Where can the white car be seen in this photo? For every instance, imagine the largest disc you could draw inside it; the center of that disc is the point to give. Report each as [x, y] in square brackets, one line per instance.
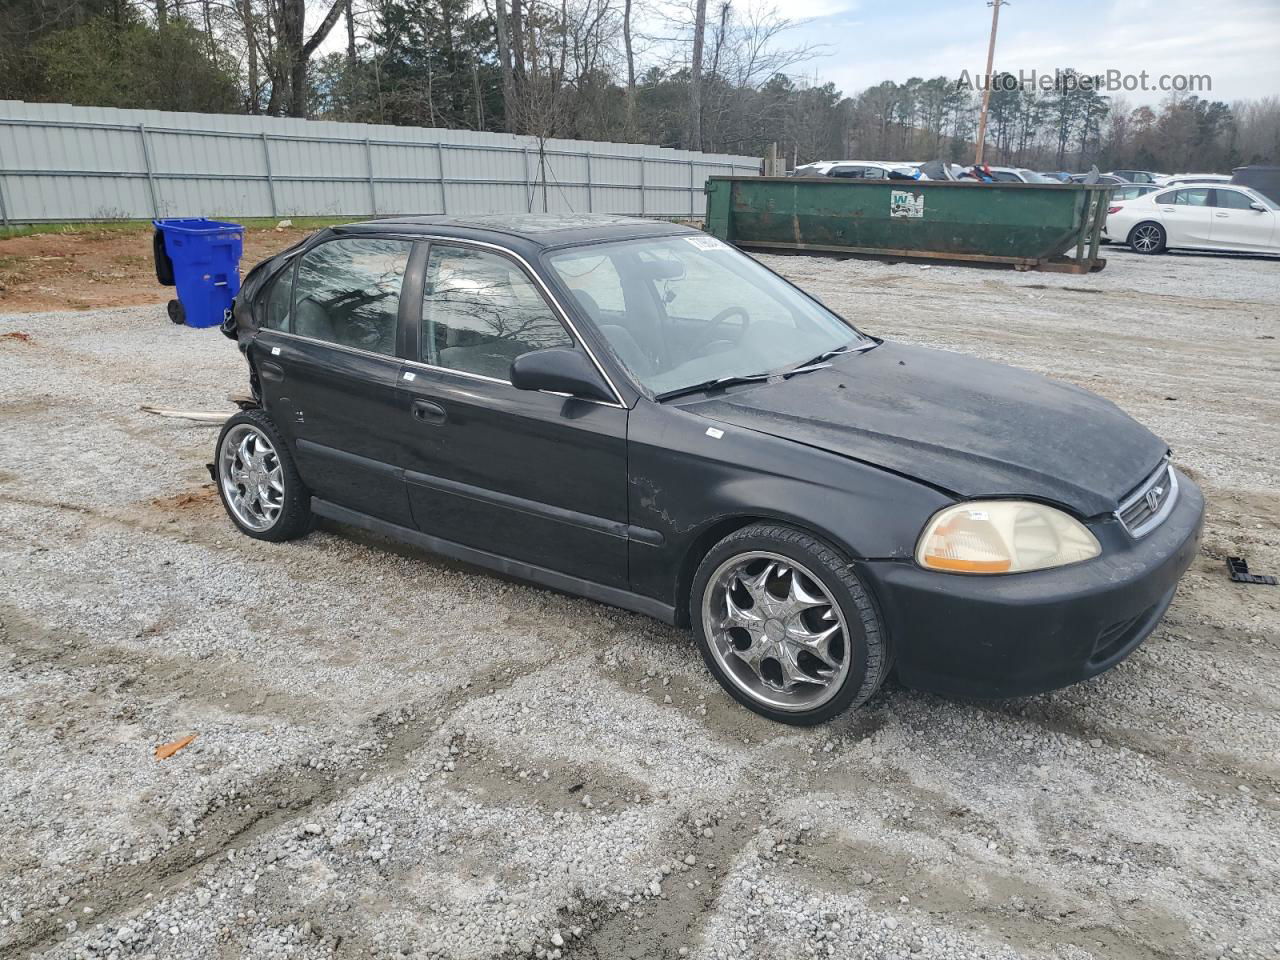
[854, 169]
[1222, 217]
[1182, 179]
[1018, 175]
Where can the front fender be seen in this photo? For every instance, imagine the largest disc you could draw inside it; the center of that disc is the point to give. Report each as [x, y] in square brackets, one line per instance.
[691, 487]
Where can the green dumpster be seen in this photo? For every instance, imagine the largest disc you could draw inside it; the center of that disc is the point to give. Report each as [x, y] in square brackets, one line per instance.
[1027, 225]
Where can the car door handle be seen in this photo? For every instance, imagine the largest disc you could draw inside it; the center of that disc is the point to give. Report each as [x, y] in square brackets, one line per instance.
[1222, 215]
[428, 411]
[271, 371]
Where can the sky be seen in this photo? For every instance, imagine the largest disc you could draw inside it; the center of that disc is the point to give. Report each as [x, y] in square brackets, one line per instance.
[1235, 42]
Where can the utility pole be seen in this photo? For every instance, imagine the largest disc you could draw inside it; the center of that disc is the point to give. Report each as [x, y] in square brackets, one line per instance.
[986, 90]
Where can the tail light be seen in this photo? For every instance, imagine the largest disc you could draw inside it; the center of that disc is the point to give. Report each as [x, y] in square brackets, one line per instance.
[1115, 208]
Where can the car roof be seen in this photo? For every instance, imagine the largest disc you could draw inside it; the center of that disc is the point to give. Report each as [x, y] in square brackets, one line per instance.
[528, 230]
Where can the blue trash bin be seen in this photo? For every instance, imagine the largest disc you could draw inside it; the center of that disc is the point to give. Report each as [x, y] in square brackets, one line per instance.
[203, 263]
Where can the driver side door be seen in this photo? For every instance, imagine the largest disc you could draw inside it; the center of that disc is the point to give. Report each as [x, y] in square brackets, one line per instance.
[1238, 226]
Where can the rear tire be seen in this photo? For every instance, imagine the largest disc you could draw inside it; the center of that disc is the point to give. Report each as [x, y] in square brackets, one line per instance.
[258, 481]
[1148, 237]
[785, 626]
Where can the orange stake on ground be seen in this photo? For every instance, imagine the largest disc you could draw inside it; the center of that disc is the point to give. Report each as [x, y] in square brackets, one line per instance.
[167, 750]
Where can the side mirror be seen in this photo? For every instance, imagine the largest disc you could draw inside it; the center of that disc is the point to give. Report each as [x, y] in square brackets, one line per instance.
[1261, 208]
[559, 370]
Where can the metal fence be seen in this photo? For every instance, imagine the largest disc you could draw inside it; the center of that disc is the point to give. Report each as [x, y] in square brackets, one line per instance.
[60, 162]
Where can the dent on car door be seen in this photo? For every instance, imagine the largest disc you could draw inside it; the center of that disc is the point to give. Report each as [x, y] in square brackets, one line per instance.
[535, 477]
[330, 369]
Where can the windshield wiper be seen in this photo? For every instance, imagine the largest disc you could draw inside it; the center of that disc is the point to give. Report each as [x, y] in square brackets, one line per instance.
[835, 352]
[711, 384]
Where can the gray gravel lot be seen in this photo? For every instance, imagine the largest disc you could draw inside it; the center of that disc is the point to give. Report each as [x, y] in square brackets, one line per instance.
[398, 755]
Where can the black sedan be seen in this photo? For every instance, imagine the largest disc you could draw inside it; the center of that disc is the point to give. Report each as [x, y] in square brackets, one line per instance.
[638, 413]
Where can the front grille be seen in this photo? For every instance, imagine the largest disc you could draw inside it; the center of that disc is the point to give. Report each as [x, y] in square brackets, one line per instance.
[1148, 505]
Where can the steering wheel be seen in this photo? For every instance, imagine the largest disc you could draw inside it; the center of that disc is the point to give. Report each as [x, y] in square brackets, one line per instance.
[719, 321]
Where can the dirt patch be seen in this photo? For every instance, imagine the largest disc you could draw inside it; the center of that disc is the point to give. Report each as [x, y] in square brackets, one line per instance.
[101, 268]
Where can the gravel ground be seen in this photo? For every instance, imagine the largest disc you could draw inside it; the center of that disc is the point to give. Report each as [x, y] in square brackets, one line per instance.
[398, 755]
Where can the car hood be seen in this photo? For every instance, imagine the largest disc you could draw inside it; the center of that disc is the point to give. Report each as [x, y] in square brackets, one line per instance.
[965, 425]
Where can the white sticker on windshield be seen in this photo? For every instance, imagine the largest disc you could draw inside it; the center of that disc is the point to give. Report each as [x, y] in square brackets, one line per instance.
[704, 242]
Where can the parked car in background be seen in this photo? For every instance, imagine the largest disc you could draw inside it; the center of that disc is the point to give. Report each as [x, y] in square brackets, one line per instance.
[1182, 179]
[1105, 178]
[1060, 175]
[1262, 177]
[1018, 175]
[1135, 176]
[1227, 218]
[856, 169]
[1131, 191]
[634, 411]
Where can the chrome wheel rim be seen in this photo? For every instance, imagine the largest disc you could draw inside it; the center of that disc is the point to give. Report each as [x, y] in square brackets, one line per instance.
[775, 631]
[251, 477]
[1146, 238]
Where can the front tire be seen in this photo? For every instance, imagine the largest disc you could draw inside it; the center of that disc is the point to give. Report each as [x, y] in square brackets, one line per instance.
[785, 626]
[1148, 237]
[258, 481]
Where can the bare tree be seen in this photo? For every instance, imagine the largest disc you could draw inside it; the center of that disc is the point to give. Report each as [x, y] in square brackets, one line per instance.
[695, 76]
[504, 59]
[631, 70]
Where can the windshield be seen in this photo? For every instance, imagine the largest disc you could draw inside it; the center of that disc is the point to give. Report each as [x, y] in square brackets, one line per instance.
[684, 310]
[1030, 176]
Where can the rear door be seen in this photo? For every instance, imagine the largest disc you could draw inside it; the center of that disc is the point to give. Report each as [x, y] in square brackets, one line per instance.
[1237, 226]
[329, 370]
[535, 477]
[1186, 215]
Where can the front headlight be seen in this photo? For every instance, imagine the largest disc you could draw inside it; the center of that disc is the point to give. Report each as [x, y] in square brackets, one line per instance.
[1003, 536]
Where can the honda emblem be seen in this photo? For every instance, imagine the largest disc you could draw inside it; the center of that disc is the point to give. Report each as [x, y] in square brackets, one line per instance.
[1153, 498]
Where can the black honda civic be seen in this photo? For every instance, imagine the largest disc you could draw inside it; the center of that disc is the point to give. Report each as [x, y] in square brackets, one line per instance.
[638, 413]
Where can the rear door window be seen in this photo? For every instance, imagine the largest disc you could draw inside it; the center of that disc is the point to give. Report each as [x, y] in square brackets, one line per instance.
[1198, 197]
[348, 293]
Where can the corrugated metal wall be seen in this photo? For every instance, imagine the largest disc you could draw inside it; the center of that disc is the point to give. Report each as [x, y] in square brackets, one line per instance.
[59, 162]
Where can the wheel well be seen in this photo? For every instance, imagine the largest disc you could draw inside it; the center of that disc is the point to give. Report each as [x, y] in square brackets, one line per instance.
[702, 545]
[1143, 223]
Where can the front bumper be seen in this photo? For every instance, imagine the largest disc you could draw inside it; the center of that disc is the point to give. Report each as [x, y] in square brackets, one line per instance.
[1005, 636]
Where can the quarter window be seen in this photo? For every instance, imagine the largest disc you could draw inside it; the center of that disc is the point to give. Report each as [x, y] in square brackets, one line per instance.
[480, 311]
[280, 301]
[348, 293]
